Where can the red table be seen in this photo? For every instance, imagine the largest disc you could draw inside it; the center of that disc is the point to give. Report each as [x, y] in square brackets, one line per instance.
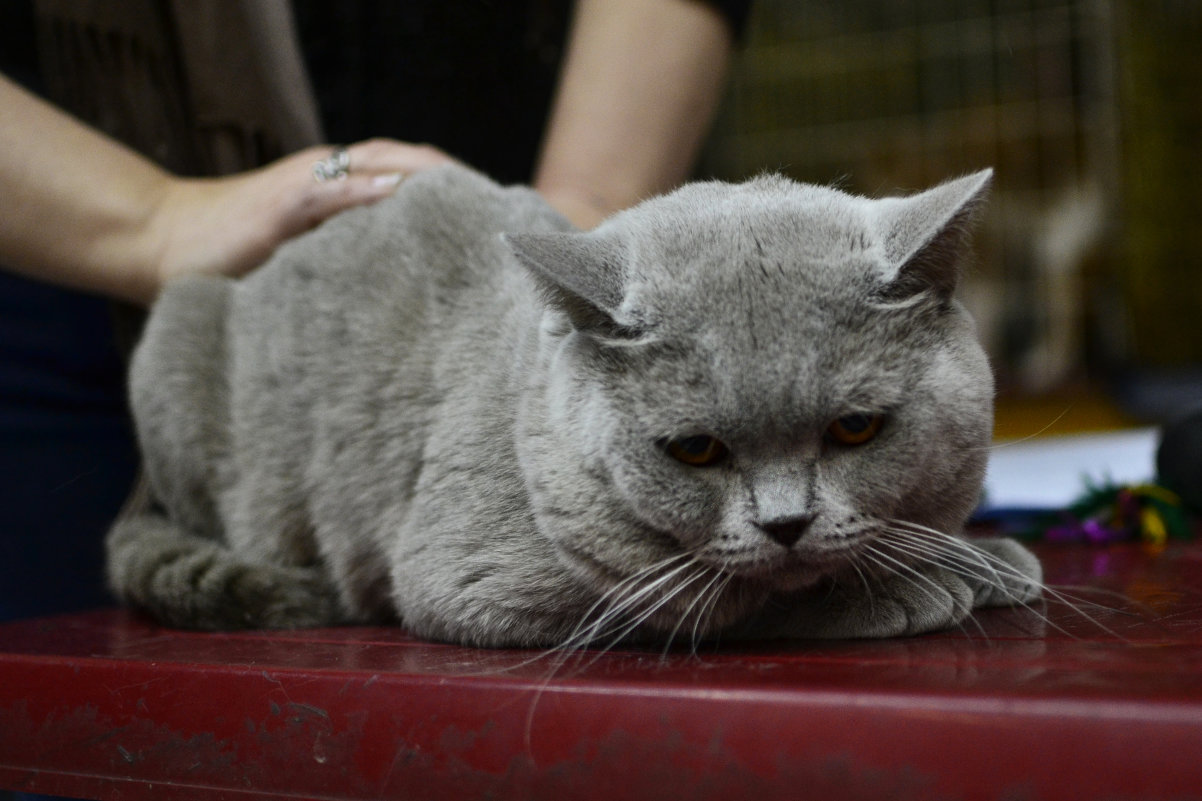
[106, 705]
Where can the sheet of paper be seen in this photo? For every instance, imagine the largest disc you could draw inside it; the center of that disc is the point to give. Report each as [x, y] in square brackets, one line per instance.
[1051, 472]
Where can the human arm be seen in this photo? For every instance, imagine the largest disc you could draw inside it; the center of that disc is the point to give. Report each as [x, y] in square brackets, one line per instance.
[83, 211]
[640, 84]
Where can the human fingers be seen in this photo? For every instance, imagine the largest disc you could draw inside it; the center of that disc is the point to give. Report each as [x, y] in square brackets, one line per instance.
[362, 173]
[372, 157]
[388, 156]
[230, 225]
[315, 202]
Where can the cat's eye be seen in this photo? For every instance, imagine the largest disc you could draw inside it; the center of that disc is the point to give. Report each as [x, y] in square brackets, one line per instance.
[855, 429]
[696, 451]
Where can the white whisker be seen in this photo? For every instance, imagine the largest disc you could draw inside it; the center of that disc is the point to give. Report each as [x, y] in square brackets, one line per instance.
[650, 611]
[589, 628]
[995, 446]
[705, 616]
[921, 582]
[855, 565]
[616, 601]
[960, 555]
[697, 599]
[911, 548]
[614, 604]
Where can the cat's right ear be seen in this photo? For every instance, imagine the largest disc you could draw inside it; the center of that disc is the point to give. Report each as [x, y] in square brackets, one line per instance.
[581, 274]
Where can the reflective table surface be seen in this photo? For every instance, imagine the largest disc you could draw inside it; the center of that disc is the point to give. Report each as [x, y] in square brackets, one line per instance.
[1100, 698]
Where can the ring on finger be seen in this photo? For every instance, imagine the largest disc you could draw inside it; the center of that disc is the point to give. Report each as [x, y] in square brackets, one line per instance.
[333, 167]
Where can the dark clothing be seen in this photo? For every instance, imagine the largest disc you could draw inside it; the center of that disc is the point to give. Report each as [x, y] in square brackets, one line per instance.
[474, 77]
[67, 455]
[464, 76]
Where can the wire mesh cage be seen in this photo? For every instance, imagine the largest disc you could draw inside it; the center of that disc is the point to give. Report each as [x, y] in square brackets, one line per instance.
[895, 96]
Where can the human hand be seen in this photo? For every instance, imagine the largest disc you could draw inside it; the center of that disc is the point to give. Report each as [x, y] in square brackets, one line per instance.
[232, 224]
[84, 211]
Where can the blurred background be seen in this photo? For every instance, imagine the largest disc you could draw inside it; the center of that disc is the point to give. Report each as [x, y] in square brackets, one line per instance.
[1087, 281]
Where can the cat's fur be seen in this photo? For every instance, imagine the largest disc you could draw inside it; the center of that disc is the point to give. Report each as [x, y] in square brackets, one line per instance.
[451, 408]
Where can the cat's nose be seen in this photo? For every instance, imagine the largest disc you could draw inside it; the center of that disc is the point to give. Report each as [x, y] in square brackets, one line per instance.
[786, 530]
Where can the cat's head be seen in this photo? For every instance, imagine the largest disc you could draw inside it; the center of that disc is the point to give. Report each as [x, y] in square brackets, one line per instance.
[765, 375]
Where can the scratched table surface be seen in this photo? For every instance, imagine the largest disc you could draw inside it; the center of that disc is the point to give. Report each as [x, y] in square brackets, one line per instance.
[1099, 702]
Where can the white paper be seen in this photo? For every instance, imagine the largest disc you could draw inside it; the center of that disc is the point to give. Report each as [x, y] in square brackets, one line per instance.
[1051, 472]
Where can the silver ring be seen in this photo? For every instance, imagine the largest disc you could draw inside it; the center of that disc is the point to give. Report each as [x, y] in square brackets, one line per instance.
[333, 167]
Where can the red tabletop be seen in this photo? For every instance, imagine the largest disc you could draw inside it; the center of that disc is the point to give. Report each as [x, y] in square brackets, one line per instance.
[106, 705]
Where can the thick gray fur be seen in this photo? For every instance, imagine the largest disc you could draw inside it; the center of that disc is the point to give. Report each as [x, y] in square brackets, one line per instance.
[450, 409]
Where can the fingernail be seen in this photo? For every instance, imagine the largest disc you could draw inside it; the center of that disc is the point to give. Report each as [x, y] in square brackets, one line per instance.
[391, 179]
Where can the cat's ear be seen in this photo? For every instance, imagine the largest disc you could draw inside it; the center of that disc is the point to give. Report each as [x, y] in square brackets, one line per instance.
[583, 275]
[925, 235]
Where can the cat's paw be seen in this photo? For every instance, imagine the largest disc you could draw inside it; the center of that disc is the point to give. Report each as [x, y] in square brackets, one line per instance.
[922, 599]
[275, 597]
[1002, 572]
[918, 599]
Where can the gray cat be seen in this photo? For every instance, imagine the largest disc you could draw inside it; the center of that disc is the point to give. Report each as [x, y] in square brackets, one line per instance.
[749, 410]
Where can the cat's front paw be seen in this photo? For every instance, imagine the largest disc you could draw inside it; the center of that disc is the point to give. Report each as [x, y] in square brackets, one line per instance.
[919, 600]
[913, 600]
[1002, 572]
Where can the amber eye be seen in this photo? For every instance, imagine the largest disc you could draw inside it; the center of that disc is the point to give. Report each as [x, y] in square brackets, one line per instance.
[698, 451]
[855, 429]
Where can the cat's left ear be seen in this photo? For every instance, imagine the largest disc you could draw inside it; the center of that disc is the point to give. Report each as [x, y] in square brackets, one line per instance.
[582, 274]
[925, 235]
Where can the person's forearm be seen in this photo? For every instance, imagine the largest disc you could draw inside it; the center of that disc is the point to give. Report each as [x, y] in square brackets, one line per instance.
[82, 211]
[640, 85]
[77, 204]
